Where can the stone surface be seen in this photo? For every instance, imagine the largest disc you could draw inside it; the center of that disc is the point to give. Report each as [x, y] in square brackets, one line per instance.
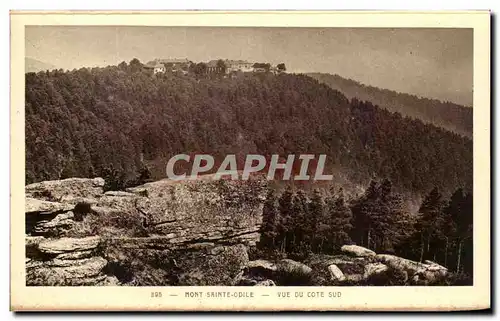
[356, 250]
[33, 205]
[291, 266]
[56, 226]
[65, 244]
[160, 263]
[79, 272]
[400, 263]
[262, 265]
[75, 255]
[372, 269]
[335, 273]
[434, 266]
[71, 187]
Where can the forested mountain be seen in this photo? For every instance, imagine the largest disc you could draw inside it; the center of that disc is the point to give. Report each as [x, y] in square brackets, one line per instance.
[33, 65]
[447, 115]
[80, 122]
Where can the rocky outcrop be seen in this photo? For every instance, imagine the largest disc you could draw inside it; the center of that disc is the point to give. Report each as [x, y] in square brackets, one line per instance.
[180, 233]
[66, 261]
[160, 233]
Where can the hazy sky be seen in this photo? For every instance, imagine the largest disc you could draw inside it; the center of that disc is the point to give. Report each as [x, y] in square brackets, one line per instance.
[436, 63]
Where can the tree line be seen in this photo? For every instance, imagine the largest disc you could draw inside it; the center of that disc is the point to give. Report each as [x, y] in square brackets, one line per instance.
[299, 224]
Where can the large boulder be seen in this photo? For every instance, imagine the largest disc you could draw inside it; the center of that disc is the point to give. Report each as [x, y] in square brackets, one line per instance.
[375, 269]
[261, 266]
[61, 272]
[335, 273]
[291, 266]
[202, 209]
[290, 272]
[356, 250]
[400, 263]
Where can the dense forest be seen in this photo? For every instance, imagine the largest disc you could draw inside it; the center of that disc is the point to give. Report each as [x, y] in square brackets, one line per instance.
[125, 121]
[448, 115]
[296, 224]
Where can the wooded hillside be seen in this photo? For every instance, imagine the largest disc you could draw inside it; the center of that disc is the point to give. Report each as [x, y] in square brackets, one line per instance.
[80, 122]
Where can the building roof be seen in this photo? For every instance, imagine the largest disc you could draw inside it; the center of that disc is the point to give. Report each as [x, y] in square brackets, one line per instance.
[174, 60]
[212, 63]
[159, 66]
[237, 61]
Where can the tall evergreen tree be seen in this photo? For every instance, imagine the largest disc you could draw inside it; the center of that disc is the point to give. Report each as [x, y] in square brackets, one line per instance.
[315, 213]
[270, 221]
[339, 218]
[431, 222]
[285, 227]
[460, 209]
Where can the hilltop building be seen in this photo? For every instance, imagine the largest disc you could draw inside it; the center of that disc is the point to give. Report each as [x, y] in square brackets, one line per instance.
[156, 68]
[214, 67]
[238, 65]
[170, 64]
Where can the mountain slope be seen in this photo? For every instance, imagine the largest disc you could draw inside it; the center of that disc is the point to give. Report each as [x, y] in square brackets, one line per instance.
[33, 65]
[80, 122]
[447, 115]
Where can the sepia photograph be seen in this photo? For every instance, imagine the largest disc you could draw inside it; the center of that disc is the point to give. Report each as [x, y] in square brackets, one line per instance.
[180, 156]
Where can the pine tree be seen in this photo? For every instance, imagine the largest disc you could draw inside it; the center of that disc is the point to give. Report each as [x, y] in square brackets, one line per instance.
[339, 220]
[270, 221]
[301, 222]
[364, 210]
[315, 214]
[460, 209]
[285, 203]
[431, 221]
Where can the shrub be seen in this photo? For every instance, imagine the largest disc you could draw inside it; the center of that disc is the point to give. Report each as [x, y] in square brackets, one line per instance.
[81, 210]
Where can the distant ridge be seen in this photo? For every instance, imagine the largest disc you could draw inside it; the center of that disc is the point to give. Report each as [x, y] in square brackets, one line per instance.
[33, 65]
[447, 115]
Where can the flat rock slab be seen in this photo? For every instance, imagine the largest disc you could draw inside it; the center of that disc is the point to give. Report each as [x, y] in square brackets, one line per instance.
[66, 188]
[33, 205]
[65, 244]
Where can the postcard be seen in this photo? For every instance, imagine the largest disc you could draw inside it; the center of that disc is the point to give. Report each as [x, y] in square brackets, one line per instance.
[250, 161]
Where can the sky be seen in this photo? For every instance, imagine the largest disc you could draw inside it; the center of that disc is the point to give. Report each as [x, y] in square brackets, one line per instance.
[433, 63]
